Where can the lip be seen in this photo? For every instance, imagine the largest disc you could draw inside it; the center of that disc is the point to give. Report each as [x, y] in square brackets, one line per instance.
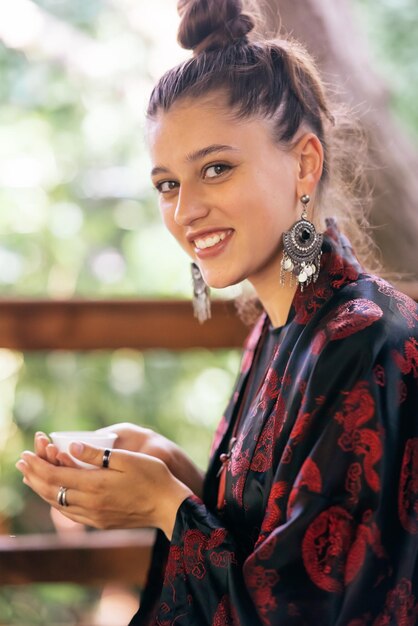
[218, 248]
[201, 234]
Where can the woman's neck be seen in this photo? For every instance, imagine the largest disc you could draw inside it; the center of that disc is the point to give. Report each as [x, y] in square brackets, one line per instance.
[276, 298]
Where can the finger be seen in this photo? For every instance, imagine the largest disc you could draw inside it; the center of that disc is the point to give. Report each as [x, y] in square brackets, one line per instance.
[64, 459]
[100, 457]
[51, 454]
[21, 466]
[45, 449]
[46, 489]
[41, 473]
[84, 508]
[41, 442]
[71, 509]
[43, 490]
[41, 435]
[88, 504]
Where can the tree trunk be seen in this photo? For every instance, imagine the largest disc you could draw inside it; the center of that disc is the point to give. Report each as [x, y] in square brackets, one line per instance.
[329, 31]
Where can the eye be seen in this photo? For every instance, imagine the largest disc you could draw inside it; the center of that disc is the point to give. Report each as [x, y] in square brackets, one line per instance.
[216, 170]
[165, 186]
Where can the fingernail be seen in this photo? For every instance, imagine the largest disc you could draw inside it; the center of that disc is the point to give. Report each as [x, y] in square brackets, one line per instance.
[76, 448]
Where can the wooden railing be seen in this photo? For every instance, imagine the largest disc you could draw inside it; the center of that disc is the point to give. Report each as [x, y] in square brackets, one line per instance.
[98, 557]
[109, 324]
[85, 558]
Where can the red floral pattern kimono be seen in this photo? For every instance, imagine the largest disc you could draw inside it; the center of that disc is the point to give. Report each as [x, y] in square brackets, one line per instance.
[319, 523]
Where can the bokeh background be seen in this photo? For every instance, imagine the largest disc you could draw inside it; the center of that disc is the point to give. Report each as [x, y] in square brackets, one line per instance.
[78, 217]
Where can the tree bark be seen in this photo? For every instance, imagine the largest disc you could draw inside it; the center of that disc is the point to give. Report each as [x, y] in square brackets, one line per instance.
[330, 32]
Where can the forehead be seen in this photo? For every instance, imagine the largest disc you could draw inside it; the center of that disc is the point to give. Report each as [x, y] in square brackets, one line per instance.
[192, 123]
[189, 119]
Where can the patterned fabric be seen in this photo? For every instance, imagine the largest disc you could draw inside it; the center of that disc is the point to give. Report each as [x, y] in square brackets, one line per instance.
[320, 518]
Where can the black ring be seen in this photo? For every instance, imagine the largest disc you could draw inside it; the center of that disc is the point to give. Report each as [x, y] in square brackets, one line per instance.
[106, 457]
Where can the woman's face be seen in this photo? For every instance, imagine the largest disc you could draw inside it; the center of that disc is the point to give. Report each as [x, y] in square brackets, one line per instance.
[226, 191]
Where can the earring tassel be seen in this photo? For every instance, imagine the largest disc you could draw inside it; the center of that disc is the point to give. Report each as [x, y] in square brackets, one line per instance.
[201, 295]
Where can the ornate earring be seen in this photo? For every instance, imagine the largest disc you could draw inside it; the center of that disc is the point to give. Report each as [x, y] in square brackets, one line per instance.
[302, 250]
[201, 295]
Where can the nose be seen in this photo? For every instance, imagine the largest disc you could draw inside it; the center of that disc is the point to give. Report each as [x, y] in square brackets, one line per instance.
[190, 206]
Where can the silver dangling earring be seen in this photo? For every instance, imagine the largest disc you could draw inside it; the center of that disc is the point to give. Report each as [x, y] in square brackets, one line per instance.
[201, 295]
[302, 250]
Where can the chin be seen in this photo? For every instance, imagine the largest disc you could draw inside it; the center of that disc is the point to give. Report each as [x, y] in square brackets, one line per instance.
[221, 282]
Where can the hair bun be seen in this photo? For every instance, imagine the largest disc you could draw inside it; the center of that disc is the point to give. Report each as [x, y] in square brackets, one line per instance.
[210, 24]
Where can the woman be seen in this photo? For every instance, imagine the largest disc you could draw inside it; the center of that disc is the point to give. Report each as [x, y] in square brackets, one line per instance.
[308, 512]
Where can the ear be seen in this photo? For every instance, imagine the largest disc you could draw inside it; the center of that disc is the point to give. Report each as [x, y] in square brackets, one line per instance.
[310, 155]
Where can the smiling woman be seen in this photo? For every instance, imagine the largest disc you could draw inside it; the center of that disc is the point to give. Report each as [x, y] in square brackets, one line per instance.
[307, 513]
[227, 204]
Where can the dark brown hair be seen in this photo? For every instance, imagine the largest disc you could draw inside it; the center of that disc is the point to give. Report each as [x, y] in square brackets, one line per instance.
[274, 79]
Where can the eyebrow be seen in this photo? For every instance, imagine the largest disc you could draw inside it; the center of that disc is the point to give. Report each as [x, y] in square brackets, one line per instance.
[196, 155]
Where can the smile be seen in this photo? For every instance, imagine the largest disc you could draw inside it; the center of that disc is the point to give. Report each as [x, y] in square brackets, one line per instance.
[211, 240]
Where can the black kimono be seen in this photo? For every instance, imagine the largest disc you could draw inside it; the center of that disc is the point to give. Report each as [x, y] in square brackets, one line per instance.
[312, 517]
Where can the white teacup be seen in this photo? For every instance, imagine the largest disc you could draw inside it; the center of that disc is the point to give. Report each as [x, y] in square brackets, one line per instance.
[98, 438]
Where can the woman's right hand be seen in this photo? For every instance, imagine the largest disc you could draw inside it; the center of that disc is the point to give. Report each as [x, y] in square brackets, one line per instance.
[135, 438]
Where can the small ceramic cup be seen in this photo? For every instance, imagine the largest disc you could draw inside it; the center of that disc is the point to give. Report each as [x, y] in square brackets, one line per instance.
[98, 438]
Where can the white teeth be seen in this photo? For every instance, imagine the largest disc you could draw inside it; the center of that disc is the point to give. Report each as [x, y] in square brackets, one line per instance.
[208, 242]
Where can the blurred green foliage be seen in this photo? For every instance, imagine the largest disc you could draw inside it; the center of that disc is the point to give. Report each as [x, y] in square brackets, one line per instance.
[46, 605]
[391, 27]
[78, 216]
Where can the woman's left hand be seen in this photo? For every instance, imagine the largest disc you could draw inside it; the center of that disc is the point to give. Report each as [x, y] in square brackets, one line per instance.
[135, 491]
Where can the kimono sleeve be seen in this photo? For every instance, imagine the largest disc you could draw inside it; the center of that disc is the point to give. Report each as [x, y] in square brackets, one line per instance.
[204, 581]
